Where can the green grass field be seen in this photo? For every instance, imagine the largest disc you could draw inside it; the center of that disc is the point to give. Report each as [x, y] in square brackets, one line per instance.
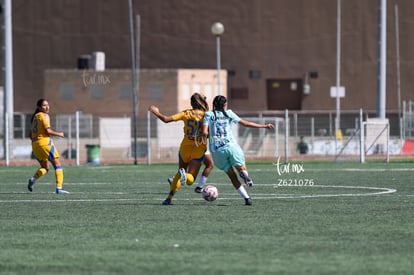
[315, 218]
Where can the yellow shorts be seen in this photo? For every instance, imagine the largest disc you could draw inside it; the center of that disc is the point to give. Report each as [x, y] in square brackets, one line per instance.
[192, 152]
[44, 149]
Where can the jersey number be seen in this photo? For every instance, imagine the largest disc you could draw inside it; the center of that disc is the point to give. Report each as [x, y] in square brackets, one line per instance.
[193, 127]
[35, 127]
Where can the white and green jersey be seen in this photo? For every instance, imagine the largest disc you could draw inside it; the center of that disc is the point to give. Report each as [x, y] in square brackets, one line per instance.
[220, 129]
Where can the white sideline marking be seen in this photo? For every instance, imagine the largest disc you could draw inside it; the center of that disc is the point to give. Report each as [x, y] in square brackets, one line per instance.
[378, 191]
[381, 190]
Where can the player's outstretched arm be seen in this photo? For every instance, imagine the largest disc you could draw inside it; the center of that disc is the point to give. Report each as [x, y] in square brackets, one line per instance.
[156, 111]
[252, 124]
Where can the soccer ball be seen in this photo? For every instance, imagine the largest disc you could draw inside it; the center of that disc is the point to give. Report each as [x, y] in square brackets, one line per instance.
[210, 193]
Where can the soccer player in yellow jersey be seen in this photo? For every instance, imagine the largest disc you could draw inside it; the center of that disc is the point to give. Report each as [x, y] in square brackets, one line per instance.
[193, 146]
[43, 148]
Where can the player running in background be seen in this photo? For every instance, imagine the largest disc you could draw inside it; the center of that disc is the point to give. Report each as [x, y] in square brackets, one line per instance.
[192, 148]
[43, 148]
[226, 152]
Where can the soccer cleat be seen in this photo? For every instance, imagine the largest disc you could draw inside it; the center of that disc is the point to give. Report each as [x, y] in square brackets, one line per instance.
[61, 191]
[167, 201]
[248, 201]
[198, 190]
[183, 176]
[30, 185]
[170, 180]
[247, 180]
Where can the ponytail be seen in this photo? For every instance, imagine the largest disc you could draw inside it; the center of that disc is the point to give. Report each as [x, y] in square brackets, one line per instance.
[218, 105]
[199, 102]
[38, 108]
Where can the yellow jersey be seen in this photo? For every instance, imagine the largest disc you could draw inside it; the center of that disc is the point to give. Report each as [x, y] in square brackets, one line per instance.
[193, 120]
[40, 123]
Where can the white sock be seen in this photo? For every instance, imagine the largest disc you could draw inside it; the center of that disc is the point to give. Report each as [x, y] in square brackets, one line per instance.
[202, 181]
[33, 179]
[243, 192]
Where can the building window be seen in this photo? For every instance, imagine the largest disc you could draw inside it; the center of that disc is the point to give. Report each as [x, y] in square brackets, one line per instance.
[125, 91]
[96, 91]
[186, 91]
[155, 91]
[196, 88]
[253, 74]
[66, 91]
[208, 91]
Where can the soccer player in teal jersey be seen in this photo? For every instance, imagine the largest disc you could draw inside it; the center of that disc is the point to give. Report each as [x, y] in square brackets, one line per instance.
[226, 152]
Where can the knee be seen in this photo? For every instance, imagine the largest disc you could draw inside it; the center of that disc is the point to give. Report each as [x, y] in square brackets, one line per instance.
[190, 179]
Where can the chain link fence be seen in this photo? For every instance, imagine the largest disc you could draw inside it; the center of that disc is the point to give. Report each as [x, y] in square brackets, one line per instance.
[158, 142]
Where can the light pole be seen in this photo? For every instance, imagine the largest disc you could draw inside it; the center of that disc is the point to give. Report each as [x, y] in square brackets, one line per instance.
[382, 57]
[8, 94]
[134, 72]
[217, 30]
[338, 68]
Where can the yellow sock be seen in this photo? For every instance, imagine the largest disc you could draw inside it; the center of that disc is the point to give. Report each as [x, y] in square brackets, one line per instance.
[40, 173]
[175, 185]
[59, 177]
[190, 179]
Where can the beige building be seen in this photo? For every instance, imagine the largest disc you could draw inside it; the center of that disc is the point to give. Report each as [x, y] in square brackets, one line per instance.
[109, 93]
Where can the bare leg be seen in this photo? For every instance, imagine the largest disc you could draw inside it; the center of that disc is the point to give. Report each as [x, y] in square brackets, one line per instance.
[245, 175]
[233, 177]
[208, 167]
[239, 187]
